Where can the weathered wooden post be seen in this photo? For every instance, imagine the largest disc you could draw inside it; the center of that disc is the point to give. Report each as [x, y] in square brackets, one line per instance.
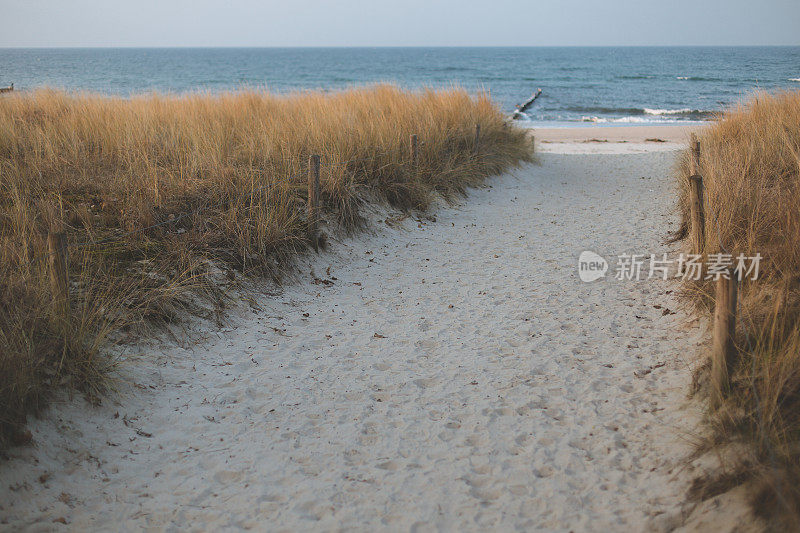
[694, 164]
[59, 276]
[698, 229]
[476, 146]
[723, 356]
[313, 199]
[414, 154]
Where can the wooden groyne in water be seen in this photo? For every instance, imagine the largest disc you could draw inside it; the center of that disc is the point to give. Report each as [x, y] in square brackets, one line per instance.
[524, 106]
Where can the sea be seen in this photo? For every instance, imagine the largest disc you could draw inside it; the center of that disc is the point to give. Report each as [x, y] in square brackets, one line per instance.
[580, 86]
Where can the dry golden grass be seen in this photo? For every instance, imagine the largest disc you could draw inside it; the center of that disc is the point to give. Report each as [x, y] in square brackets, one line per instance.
[225, 174]
[750, 164]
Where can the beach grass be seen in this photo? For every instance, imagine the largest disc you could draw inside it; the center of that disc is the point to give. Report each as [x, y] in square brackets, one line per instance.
[750, 165]
[168, 200]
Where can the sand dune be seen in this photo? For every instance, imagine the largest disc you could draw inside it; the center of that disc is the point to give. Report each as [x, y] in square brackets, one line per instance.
[450, 374]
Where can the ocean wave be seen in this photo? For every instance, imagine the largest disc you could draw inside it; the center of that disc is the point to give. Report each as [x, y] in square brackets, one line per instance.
[685, 113]
[634, 120]
[669, 111]
[651, 77]
[794, 79]
[697, 78]
[644, 120]
[605, 110]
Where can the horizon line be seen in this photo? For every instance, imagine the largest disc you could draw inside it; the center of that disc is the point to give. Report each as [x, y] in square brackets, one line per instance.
[201, 47]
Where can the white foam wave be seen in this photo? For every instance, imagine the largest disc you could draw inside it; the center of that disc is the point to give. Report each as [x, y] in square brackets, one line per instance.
[794, 79]
[628, 120]
[683, 77]
[666, 111]
[642, 120]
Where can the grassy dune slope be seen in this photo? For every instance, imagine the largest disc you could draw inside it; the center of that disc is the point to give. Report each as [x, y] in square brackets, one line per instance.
[222, 177]
[750, 165]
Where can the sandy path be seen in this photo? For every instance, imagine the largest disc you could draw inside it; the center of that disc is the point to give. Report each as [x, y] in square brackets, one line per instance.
[456, 374]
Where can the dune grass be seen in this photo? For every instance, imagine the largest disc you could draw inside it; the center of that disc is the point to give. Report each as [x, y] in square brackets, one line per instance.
[166, 199]
[750, 165]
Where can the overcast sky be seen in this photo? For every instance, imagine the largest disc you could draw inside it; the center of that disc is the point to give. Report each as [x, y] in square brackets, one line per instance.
[398, 23]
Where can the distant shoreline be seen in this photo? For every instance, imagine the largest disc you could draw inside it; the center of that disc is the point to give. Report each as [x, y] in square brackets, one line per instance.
[588, 124]
[615, 139]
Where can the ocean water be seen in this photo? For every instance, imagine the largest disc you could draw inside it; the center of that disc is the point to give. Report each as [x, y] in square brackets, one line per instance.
[580, 85]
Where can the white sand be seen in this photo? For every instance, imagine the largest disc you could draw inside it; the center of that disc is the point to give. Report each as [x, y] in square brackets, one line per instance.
[455, 375]
[615, 139]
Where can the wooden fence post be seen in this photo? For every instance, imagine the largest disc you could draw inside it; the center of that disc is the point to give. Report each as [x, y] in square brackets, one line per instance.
[697, 212]
[476, 146]
[313, 199]
[59, 276]
[723, 356]
[414, 154]
[694, 164]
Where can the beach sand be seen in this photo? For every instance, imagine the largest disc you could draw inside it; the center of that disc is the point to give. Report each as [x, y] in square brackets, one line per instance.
[447, 372]
[615, 139]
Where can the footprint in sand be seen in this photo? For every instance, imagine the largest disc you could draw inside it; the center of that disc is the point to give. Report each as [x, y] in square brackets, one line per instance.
[544, 471]
[486, 494]
[391, 466]
[424, 383]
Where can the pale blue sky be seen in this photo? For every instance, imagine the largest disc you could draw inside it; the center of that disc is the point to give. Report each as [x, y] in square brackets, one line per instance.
[398, 23]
